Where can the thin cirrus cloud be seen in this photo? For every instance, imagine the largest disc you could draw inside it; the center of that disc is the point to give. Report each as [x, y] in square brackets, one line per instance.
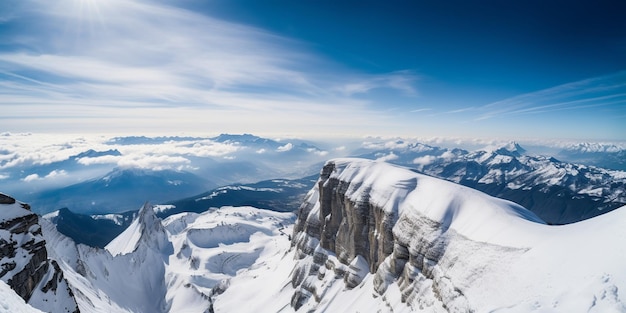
[109, 61]
[605, 92]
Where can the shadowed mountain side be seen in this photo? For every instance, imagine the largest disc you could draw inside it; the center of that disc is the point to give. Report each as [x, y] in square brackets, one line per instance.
[119, 191]
[94, 231]
[282, 195]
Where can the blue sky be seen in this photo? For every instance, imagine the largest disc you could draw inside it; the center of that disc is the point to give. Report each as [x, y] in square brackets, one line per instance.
[516, 70]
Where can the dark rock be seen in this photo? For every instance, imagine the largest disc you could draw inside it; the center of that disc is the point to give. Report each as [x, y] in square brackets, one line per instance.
[25, 265]
[4, 199]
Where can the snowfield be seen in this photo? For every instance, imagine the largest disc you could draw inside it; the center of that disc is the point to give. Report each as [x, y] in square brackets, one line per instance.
[10, 302]
[175, 265]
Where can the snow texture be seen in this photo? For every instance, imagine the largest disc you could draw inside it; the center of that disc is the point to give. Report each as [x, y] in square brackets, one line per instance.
[172, 265]
[10, 302]
[454, 249]
[370, 237]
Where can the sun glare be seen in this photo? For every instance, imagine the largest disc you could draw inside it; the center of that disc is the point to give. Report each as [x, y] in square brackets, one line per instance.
[87, 9]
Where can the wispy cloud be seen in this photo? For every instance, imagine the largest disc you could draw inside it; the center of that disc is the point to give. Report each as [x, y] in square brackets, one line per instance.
[403, 81]
[79, 59]
[599, 92]
[420, 110]
[460, 110]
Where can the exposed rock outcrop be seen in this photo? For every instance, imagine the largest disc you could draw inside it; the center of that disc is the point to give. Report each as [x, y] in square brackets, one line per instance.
[365, 217]
[24, 263]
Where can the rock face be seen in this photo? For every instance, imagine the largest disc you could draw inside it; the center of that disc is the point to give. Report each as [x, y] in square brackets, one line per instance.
[24, 263]
[368, 217]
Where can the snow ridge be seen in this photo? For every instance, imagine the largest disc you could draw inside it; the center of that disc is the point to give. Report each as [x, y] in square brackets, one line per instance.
[540, 183]
[427, 244]
[174, 265]
[146, 228]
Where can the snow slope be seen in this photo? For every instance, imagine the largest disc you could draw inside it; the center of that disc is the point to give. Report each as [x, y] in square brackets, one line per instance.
[453, 249]
[370, 237]
[173, 265]
[10, 302]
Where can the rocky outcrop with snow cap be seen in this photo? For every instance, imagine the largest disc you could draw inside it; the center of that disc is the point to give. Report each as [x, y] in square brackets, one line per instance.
[24, 262]
[401, 241]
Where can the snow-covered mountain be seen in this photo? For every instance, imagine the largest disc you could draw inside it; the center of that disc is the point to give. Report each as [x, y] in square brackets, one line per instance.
[372, 237]
[24, 262]
[282, 195]
[558, 192]
[120, 190]
[172, 265]
[369, 237]
[602, 155]
[97, 230]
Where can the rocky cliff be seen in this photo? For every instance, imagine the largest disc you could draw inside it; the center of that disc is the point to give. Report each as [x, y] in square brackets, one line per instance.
[24, 263]
[366, 217]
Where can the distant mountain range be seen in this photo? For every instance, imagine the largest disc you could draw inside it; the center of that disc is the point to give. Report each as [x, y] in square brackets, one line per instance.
[368, 237]
[97, 230]
[91, 230]
[223, 159]
[120, 190]
[558, 192]
[609, 156]
[280, 195]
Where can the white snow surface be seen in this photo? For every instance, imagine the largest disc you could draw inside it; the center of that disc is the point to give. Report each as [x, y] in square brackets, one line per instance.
[170, 265]
[501, 256]
[12, 211]
[118, 219]
[10, 302]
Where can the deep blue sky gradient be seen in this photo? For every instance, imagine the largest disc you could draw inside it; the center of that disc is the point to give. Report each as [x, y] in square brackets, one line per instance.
[439, 68]
[517, 45]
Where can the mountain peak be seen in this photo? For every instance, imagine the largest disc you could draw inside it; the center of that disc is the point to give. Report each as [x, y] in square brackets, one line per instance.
[147, 218]
[11, 208]
[511, 148]
[145, 229]
[91, 153]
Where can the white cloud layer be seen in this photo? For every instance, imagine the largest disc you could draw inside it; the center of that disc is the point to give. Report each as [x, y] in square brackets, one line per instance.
[284, 148]
[147, 65]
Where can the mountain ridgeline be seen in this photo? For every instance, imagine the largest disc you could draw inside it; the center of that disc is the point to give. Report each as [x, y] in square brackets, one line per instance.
[419, 243]
[558, 192]
[368, 236]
